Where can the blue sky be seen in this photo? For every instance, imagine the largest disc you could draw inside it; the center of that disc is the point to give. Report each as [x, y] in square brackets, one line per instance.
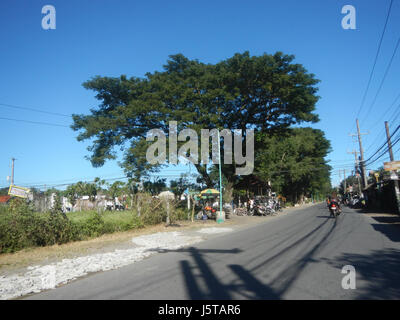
[45, 69]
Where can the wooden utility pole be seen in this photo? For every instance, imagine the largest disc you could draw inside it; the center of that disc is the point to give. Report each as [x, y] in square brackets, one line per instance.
[356, 166]
[344, 180]
[396, 182]
[361, 162]
[389, 142]
[12, 170]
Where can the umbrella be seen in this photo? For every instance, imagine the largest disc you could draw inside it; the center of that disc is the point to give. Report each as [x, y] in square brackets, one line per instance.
[208, 192]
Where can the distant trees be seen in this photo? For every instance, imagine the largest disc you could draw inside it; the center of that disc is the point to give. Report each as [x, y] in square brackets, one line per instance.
[115, 190]
[180, 185]
[4, 191]
[154, 187]
[79, 189]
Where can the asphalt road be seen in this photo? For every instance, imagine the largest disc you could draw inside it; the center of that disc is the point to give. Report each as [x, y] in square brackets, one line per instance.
[299, 255]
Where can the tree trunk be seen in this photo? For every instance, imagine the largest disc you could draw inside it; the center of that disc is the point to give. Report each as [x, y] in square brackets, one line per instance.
[203, 171]
[227, 196]
[138, 204]
[192, 208]
[168, 213]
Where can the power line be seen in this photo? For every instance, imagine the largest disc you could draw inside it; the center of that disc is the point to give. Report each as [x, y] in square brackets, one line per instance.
[383, 79]
[35, 110]
[395, 116]
[376, 58]
[379, 137]
[392, 120]
[35, 122]
[67, 180]
[384, 152]
[392, 135]
[387, 110]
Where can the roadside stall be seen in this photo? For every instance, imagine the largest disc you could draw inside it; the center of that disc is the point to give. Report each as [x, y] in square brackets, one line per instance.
[208, 201]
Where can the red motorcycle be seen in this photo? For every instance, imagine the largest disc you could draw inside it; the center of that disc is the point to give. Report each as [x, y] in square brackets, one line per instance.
[334, 209]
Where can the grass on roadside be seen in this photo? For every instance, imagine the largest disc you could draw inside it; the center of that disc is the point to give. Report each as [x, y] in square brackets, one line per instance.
[21, 227]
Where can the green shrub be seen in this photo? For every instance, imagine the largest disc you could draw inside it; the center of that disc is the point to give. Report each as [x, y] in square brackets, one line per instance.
[94, 226]
[20, 230]
[21, 227]
[151, 217]
[179, 214]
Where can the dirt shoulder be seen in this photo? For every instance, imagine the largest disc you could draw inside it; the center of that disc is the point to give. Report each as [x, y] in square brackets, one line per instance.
[19, 261]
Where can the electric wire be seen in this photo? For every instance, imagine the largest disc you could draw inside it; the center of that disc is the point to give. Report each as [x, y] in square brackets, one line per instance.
[375, 60]
[35, 110]
[35, 122]
[382, 81]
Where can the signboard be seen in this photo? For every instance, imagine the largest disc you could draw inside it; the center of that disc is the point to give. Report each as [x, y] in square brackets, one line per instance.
[18, 192]
[391, 166]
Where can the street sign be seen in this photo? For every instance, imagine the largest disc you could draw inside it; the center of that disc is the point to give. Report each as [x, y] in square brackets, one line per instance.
[391, 166]
[18, 192]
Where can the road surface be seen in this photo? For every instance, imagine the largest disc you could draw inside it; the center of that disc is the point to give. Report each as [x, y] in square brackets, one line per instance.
[299, 255]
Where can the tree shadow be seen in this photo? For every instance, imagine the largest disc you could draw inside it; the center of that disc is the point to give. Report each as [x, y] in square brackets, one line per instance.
[392, 232]
[202, 282]
[245, 283]
[385, 219]
[288, 275]
[380, 270]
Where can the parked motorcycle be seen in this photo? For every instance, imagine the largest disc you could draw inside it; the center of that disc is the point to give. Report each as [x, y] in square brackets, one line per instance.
[259, 209]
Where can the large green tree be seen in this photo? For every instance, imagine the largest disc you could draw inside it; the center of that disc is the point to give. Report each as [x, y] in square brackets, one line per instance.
[294, 162]
[267, 93]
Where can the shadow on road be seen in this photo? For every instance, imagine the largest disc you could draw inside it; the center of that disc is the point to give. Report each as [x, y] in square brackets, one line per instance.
[203, 283]
[380, 270]
[247, 285]
[392, 232]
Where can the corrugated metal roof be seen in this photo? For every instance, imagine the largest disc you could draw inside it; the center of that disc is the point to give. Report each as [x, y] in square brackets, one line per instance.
[4, 199]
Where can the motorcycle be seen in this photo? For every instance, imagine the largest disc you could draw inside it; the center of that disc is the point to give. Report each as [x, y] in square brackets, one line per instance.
[334, 210]
[259, 209]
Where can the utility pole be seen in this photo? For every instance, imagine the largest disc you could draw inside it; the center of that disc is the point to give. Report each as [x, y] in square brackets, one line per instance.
[396, 182]
[344, 180]
[356, 166]
[12, 170]
[361, 162]
[220, 219]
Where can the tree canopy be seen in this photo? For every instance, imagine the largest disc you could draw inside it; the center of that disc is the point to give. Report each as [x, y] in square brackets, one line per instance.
[294, 161]
[266, 93]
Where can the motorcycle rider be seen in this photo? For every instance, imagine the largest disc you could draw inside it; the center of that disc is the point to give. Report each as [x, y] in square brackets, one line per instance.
[334, 201]
[328, 201]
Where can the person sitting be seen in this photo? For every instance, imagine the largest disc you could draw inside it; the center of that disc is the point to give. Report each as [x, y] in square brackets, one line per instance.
[334, 201]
